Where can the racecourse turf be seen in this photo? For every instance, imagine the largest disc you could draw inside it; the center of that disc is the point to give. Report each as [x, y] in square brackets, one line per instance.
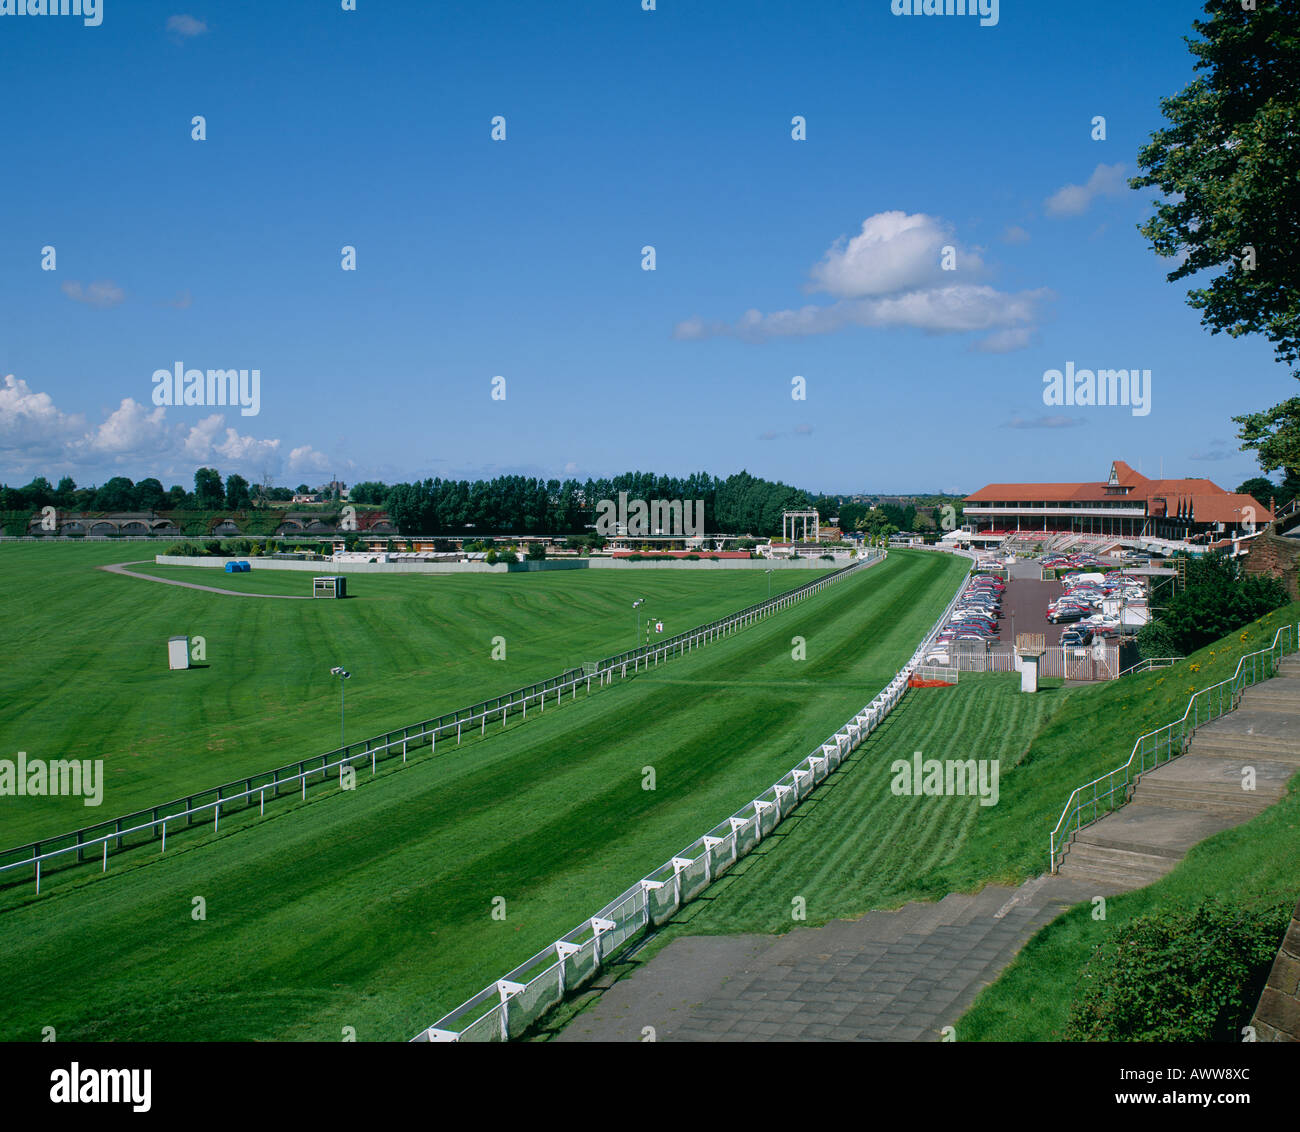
[372, 908]
[85, 673]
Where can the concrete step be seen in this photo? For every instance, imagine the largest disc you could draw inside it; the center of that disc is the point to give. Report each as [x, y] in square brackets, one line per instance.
[1105, 878]
[1240, 805]
[1127, 861]
[1246, 748]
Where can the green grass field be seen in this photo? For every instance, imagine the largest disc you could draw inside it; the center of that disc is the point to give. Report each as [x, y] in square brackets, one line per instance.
[89, 676]
[372, 908]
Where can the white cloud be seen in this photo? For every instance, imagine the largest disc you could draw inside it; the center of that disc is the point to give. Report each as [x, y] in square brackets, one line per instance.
[211, 439]
[889, 275]
[307, 459]
[1073, 200]
[1004, 341]
[32, 428]
[103, 294]
[139, 440]
[129, 430]
[893, 252]
[954, 309]
[187, 27]
[1014, 234]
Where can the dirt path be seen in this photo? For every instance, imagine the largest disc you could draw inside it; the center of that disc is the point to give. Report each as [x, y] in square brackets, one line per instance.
[121, 568]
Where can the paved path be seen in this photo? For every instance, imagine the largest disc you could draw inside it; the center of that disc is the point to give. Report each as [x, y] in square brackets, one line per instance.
[121, 568]
[888, 976]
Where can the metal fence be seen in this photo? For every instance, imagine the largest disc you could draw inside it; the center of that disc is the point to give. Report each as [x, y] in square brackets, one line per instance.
[513, 1004]
[97, 842]
[1085, 662]
[1094, 800]
[930, 672]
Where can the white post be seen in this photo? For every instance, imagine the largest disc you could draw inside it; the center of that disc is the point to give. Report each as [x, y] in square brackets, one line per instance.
[105, 868]
[164, 844]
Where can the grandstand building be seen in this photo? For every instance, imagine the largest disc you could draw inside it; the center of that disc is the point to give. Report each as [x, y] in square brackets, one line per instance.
[1126, 504]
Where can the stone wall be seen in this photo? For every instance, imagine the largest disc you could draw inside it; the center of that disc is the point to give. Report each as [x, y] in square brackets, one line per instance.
[1277, 1017]
[1270, 554]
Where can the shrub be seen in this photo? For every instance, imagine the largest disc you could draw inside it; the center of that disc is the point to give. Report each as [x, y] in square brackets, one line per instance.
[491, 557]
[536, 552]
[1178, 976]
[212, 546]
[507, 556]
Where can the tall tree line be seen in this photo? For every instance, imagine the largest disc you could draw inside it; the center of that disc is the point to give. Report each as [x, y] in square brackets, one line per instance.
[741, 503]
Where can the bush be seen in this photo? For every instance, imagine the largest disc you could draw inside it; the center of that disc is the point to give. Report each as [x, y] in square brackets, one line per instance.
[212, 546]
[536, 552]
[1178, 976]
[491, 557]
[507, 556]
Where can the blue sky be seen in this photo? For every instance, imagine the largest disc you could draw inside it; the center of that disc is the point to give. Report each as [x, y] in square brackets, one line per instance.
[522, 258]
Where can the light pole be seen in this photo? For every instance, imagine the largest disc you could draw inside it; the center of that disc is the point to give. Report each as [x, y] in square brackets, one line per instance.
[769, 584]
[636, 635]
[342, 674]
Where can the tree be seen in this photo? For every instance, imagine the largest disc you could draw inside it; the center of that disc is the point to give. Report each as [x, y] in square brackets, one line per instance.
[238, 497]
[116, 495]
[1217, 600]
[208, 492]
[38, 493]
[1258, 487]
[1274, 435]
[63, 494]
[149, 495]
[1229, 171]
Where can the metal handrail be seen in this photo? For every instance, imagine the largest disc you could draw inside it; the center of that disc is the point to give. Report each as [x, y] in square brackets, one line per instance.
[1152, 743]
[1151, 663]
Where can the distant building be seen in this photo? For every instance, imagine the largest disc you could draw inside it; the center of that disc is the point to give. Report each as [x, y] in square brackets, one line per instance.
[1125, 504]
